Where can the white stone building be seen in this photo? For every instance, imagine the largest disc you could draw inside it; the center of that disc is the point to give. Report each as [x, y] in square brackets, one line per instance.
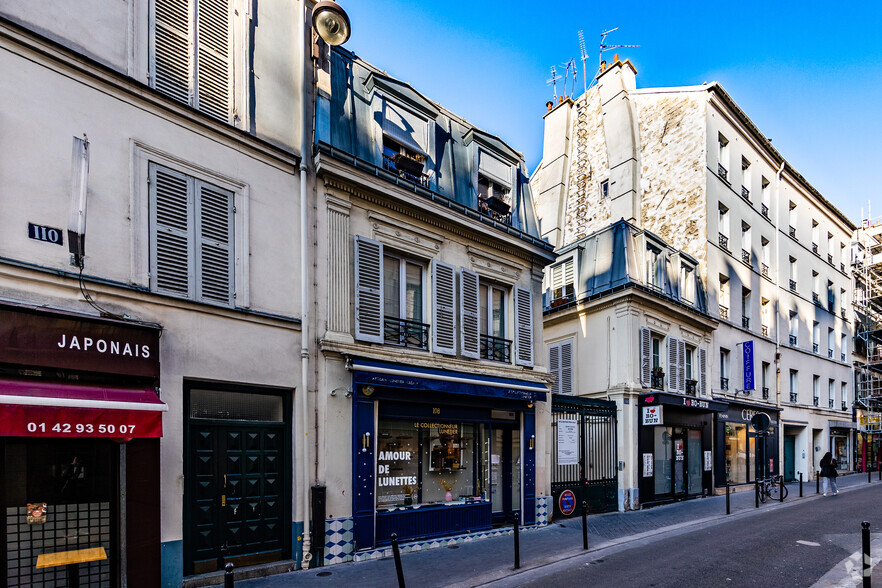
[688, 170]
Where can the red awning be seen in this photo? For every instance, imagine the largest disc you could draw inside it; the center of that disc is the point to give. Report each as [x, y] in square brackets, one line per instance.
[45, 409]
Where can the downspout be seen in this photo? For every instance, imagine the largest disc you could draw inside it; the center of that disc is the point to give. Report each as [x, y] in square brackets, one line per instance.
[302, 447]
[778, 177]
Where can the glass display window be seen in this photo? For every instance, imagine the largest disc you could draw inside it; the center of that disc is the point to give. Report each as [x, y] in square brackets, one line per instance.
[736, 453]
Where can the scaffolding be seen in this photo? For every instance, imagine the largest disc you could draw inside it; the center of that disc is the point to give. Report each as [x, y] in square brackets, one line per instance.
[866, 263]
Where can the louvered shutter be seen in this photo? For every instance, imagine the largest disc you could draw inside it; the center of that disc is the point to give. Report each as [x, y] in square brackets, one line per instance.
[554, 367]
[171, 248]
[566, 368]
[214, 243]
[702, 372]
[443, 308]
[214, 63]
[673, 370]
[172, 49]
[524, 326]
[368, 290]
[645, 357]
[469, 311]
[681, 366]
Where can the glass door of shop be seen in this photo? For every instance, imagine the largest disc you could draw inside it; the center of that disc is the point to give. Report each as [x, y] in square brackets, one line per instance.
[505, 472]
[678, 459]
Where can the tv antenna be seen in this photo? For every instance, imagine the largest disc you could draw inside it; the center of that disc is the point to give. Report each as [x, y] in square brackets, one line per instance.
[604, 47]
[584, 57]
[553, 82]
[570, 66]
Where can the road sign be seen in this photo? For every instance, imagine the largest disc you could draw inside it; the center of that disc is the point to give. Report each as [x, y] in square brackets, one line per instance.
[567, 502]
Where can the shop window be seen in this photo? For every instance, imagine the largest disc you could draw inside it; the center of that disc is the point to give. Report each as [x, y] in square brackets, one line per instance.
[420, 463]
[662, 470]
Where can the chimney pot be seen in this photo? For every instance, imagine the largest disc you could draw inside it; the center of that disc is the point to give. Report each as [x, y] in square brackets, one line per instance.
[549, 105]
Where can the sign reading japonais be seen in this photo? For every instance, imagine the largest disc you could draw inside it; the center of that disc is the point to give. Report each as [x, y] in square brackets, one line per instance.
[567, 442]
[747, 357]
[652, 415]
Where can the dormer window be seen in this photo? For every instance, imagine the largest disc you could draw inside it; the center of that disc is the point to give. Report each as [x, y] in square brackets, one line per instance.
[494, 186]
[405, 138]
[407, 163]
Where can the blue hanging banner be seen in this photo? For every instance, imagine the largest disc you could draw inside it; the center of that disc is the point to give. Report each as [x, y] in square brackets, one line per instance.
[747, 357]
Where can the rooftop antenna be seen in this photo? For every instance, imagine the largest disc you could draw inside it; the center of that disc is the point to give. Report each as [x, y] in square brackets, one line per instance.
[584, 57]
[553, 82]
[605, 47]
[570, 66]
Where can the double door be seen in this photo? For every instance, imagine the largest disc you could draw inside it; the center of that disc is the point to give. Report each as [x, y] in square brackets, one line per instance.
[234, 495]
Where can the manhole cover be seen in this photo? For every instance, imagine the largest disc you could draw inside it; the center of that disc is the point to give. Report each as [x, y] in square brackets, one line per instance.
[323, 574]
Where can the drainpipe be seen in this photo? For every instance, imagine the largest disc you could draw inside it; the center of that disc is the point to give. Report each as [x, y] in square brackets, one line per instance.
[302, 445]
[778, 178]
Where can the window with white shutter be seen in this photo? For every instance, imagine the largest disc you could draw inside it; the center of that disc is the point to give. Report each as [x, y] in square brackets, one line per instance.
[443, 308]
[368, 290]
[645, 357]
[192, 54]
[681, 366]
[191, 237]
[524, 326]
[469, 311]
[562, 282]
[702, 372]
[673, 362]
[554, 366]
[560, 365]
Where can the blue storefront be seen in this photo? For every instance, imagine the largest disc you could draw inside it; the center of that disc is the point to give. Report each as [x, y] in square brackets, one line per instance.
[439, 453]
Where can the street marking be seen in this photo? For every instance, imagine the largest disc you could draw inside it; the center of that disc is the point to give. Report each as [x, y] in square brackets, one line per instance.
[809, 543]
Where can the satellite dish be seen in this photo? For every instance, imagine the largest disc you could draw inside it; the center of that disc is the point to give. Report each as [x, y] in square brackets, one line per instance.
[760, 422]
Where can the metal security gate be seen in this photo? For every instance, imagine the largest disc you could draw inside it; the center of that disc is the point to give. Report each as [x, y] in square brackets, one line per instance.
[585, 462]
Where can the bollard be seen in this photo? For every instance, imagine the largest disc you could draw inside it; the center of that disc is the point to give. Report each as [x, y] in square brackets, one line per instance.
[869, 476]
[865, 540]
[584, 524]
[728, 509]
[818, 482]
[800, 484]
[228, 575]
[879, 469]
[781, 493]
[397, 553]
[756, 491]
[517, 542]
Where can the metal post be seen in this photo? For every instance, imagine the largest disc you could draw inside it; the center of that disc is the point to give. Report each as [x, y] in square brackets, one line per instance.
[865, 540]
[869, 475]
[728, 508]
[781, 493]
[517, 542]
[800, 484]
[584, 524]
[756, 492]
[228, 575]
[818, 482]
[397, 553]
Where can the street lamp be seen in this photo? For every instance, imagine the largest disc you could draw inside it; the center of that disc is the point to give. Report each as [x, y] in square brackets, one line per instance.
[331, 22]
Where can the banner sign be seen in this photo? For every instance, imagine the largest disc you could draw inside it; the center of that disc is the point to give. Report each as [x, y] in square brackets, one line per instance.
[747, 357]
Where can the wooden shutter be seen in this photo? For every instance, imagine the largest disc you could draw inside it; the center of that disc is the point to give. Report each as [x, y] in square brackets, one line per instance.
[673, 363]
[469, 310]
[524, 326]
[645, 357]
[566, 367]
[702, 372]
[172, 49]
[171, 248]
[554, 366]
[214, 63]
[681, 366]
[368, 290]
[443, 308]
[214, 243]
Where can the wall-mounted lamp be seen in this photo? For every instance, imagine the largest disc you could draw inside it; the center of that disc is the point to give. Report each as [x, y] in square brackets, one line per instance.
[530, 404]
[532, 442]
[365, 442]
[346, 391]
[331, 22]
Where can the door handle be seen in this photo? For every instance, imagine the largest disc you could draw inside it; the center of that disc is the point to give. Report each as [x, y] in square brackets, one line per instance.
[223, 499]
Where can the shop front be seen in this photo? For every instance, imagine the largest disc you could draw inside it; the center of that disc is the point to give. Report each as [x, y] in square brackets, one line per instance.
[440, 453]
[675, 440]
[739, 457]
[80, 422]
[840, 443]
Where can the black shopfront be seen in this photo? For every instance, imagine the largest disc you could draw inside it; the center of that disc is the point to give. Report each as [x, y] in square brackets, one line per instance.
[674, 446]
[739, 458]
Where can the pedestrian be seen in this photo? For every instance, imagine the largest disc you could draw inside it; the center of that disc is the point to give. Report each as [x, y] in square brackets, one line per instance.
[829, 473]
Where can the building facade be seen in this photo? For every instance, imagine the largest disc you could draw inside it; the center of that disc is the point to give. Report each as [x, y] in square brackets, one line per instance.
[687, 166]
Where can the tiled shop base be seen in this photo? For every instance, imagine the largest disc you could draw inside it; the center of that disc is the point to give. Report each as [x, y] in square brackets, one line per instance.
[339, 541]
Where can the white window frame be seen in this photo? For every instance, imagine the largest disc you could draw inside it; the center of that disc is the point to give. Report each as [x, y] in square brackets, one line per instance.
[142, 156]
[561, 275]
[403, 260]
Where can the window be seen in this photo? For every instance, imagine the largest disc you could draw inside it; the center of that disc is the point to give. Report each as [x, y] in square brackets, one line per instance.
[192, 58]
[816, 287]
[843, 346]
[746, 245]
[723, 152]
[560, 364]
[793, 274]
[724, 297]
[765, 380]
[745, 179]
[724, 227]
[745, 308]
[724, 369]
[815, 237]
[767, 256]
[604, 189]
[843, 397]
[562, 282]
[765, 316]
[404, 303]
[794, 327]
[687, 282]
[816, 336]
[494, 345]
[842, 257]
[843, 301]
[816, 390]
[830, 248]
[405, 142]
[794, 386]
[831, 342]
[406, 162]
[767, 197]
[793, 220]
[831, 297]
[654, 267]
[658, 371]
[831, 394]
[191, 237]
[494, 186]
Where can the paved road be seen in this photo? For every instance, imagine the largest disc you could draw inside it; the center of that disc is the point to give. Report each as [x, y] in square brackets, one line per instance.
[795, 546]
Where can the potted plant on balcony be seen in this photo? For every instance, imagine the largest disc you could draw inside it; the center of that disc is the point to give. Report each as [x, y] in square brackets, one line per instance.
[407, 164]
[658, 376]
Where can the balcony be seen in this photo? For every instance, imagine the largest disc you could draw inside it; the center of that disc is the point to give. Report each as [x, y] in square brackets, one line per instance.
[765, 330]
[724, 384]
[830, 353]
[765, 271]
[496, 209]
[723, 172]
[495, 349]
[830, 258]
[405, 333]
[842, 267]
[816, 299]
[793, 340]
[814, 347]
[745, 322]
[692, 387]
[745, 193]
[844, 405]
[793, 285]
[794, 397]
[842, 312]
[816, 401]
[765, 393]
[724, 241]
[842, 357]
[793, 232]
[407, 168]
[657, 379]
[765, 211]
[745, 256]
[724, 312]
[832, 403]
[815, 248]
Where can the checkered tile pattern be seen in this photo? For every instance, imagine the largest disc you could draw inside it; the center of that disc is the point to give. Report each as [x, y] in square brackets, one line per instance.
[339, 541]
[542, 503]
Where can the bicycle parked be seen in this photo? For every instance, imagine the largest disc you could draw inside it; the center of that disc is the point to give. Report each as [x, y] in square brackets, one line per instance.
[771, 488]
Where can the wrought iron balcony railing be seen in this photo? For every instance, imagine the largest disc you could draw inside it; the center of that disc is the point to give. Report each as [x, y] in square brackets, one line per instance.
[842, 311]
[841, 357]
[814, 347]
[745, 193]
[830, 353]
[765, 393]
[657, 380]
[745, 322]
[830, 258]
[793, 340]
[815, 248]
[816, 298]
[723, 172]
[842, 267]
[765, 330]
[745, 256]
[724, 241]
[405, 333]
[832, 403]
[844, 405]
[765, 271]
[816, 401]
[724, 312]
[498, 212]
[692, 387]
[765, 211]
[389, 163]
[794, 397]
[793, 285]
[793, 232]
[724, 383]
[495, 349]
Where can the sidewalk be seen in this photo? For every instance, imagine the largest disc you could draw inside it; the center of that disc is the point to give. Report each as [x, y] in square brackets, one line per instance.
[487, 559]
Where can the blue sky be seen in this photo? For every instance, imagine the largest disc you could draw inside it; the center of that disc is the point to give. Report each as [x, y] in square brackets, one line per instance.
[809, 74]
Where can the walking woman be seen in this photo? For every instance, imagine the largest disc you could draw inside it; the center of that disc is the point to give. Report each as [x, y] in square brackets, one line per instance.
[829, 473]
